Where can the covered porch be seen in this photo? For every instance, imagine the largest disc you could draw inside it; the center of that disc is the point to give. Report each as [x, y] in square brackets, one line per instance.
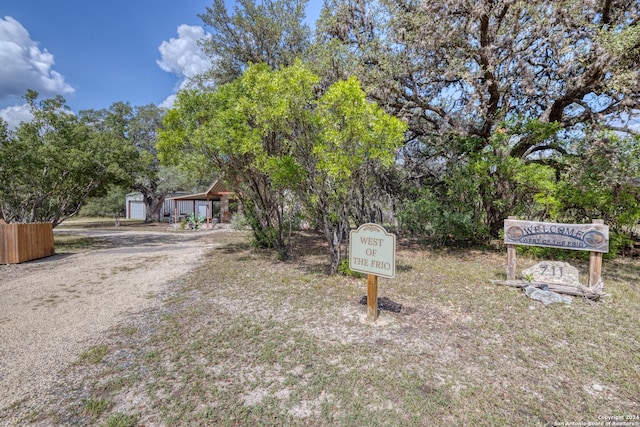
[215, 205]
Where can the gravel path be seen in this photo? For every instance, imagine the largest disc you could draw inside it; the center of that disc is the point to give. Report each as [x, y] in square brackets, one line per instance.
[54, 309]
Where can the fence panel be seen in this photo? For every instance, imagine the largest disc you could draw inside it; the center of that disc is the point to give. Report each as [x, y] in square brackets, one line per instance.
[25, 242]
[3, 245]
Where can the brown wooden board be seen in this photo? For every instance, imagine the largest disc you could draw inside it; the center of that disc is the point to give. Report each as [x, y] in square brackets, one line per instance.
[580, 237]
[3, 245]
[25, 242]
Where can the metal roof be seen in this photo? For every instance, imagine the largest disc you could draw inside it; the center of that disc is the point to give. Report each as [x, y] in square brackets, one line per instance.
[216, 189]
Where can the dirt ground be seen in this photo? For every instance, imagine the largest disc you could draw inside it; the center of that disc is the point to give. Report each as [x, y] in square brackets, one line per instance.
[54, 309]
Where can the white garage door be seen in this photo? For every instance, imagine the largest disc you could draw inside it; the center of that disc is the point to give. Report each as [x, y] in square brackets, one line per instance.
[136, 210]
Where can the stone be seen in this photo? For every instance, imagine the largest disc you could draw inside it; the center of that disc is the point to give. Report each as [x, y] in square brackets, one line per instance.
[556, 272]
[546, 297]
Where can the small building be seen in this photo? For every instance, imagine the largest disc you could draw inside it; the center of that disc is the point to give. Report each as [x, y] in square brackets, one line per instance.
[216, 205]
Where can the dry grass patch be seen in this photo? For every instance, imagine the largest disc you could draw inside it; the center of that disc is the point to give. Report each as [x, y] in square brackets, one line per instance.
[247, 340]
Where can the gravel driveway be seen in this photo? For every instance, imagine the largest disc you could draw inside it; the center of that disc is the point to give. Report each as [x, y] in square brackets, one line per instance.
[54, 309]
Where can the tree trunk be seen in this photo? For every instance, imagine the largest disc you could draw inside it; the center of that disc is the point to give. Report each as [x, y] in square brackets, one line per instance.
[334, 251]
[335, 235]
[153, 203]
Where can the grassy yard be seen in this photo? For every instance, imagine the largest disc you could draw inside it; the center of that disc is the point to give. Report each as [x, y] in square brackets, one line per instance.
[248, 340]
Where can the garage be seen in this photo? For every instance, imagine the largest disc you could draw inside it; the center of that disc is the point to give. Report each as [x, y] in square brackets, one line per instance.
[135, 206]
[136, 210]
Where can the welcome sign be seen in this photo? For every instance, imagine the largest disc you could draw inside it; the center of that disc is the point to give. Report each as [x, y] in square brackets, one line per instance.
[581, 237]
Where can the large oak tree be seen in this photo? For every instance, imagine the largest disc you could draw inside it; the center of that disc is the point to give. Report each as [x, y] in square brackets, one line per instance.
[464, 73]
[50, 166]
[271, 32]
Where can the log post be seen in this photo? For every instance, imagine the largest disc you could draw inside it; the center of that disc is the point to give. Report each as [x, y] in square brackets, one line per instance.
[372, 297]
[511, 259]
[595, 263]
[511, 262]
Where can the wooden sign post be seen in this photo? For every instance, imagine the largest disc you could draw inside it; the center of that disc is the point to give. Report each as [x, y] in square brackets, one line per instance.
[595, 259]
[580, 237]
[372, 251]
[372, 297]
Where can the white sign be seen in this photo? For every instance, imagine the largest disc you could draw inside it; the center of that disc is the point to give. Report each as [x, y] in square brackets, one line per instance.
[373, 251]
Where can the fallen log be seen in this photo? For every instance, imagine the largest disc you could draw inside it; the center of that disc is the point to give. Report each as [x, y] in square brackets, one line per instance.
[594, 293]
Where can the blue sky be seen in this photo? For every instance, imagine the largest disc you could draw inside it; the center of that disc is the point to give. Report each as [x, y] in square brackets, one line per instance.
[97, 52]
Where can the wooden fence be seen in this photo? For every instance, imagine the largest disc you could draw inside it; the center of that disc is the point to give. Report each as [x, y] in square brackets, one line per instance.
[24, 242]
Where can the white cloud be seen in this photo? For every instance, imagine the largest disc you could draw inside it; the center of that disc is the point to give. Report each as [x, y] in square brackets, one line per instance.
[168, 102]
[183, 57]
[25, 66]
[16, 114]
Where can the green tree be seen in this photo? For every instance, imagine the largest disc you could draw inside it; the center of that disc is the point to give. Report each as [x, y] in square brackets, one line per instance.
[499, 183]
[602, 180]
[138, 127]
[240, 131]
[271, 32]
[152, 179]
[354, 138]
[483, 188]
[109, 205]
[54, 163]
[273, 136]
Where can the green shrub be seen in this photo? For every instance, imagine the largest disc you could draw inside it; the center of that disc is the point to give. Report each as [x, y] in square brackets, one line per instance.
[239, 222]
[195, 221]
[427, 218]
[345, 270]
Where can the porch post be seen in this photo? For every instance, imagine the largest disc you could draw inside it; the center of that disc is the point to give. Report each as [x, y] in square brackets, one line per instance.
[208, 210]
[175, 211]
